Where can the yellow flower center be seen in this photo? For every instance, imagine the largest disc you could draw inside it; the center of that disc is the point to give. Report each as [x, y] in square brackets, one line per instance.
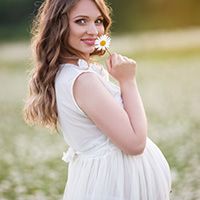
[103, 43]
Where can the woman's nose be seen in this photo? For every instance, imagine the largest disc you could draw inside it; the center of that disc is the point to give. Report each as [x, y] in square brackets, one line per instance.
[92, 29]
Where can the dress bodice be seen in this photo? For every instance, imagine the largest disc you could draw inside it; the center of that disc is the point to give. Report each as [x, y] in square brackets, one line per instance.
[79, 132]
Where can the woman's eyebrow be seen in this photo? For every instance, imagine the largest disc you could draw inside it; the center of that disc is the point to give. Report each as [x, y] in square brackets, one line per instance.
[85, 16]
[81, 16]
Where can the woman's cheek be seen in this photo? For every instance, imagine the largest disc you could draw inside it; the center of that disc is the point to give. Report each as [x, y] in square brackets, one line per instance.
[101, 30]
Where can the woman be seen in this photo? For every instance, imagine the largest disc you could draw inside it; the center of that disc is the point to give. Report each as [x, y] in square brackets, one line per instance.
[110, 156]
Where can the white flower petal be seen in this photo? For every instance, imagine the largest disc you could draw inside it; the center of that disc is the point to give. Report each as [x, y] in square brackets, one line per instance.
[98, 43]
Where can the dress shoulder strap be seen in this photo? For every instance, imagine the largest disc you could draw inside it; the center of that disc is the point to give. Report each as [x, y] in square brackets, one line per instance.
[64, 84]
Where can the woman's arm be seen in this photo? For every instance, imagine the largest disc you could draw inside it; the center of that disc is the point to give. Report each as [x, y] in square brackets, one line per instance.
[134, 107]
[126, 127]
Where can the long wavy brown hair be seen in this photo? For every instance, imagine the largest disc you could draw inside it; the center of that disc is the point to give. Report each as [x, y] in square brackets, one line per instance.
[50, 32]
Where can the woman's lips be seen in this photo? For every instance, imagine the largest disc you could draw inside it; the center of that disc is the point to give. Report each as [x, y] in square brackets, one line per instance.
[89, 41]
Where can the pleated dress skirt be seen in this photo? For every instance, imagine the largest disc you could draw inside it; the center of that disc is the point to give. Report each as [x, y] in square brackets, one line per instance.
[109, 174]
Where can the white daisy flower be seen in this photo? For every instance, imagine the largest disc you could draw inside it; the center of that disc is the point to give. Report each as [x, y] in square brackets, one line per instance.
[102, 42]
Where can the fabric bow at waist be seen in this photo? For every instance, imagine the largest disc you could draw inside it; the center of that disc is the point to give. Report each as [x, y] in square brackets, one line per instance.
[97, 152]
[69, 155]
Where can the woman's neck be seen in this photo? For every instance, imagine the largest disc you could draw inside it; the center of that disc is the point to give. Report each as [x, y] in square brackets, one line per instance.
[75, 61]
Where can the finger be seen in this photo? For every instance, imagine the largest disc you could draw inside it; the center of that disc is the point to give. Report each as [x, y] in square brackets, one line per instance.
[126, 59]
[117, 59]
[129, 60]
[113, 59]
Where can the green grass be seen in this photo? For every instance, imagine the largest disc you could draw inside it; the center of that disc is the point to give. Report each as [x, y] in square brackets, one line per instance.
[160, 54]
[169, 84]
[30, 162]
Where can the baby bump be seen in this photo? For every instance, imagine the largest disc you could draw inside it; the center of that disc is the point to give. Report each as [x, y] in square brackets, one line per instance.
[158, 164]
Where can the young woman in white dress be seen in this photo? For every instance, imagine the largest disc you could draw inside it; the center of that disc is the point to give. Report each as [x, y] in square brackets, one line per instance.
[110, 156]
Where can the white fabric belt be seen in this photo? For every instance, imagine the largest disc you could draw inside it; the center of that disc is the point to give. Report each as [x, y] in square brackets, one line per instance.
[103, 150]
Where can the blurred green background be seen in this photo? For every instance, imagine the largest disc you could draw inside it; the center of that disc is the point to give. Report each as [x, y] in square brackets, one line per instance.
[128, 15]
[164, 38]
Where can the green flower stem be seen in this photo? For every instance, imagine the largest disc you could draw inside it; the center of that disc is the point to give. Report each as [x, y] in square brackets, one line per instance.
[108, 51]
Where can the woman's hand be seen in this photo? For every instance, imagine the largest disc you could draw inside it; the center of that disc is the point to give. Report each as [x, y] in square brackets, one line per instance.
[121, 68]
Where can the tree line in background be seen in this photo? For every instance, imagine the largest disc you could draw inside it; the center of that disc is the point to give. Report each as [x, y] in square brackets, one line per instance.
[128, 15]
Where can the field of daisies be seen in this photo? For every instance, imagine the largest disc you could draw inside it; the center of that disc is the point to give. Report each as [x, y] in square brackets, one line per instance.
[168, 76]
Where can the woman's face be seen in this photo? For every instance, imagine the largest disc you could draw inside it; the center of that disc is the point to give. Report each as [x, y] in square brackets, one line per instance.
[86, 24]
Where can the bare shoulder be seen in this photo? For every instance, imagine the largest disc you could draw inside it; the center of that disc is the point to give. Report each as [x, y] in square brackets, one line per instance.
[88, 88]
[86, 79]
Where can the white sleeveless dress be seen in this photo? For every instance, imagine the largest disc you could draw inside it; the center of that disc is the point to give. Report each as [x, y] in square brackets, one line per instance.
[98, 170]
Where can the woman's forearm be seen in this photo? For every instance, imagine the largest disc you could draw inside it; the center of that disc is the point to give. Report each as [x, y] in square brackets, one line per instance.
[134, 107]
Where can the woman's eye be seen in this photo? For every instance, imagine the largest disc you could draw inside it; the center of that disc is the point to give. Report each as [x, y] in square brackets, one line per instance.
[81, 21]
[99, 21]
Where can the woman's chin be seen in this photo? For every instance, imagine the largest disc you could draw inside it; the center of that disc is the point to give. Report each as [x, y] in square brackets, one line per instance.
[88, 51]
